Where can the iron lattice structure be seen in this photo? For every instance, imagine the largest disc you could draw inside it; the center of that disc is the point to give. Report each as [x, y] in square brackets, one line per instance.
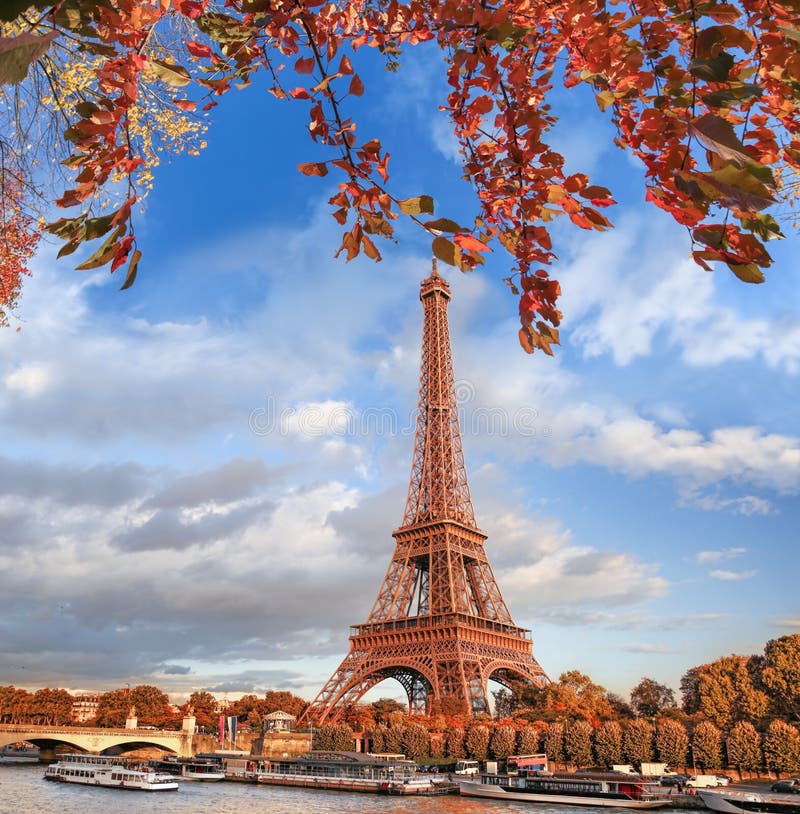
[439, 625]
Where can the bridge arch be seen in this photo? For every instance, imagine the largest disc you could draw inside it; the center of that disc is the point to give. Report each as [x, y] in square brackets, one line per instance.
[96, 740]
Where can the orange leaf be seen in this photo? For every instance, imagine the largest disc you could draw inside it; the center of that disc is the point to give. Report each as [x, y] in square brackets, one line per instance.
[313, 168]
[470, 243]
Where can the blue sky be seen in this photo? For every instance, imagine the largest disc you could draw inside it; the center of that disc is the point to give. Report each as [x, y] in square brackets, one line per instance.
[200, 476]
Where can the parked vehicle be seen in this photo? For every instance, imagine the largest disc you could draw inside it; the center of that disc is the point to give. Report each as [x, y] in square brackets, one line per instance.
[722, 779]
[702, 781]
[789, 786]
[674, 779]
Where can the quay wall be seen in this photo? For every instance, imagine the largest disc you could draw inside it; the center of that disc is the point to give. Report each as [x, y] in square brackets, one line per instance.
[273, 744]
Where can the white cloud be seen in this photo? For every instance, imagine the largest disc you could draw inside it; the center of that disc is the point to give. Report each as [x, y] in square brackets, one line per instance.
[704, 557]
[648, 286]
[732, 576]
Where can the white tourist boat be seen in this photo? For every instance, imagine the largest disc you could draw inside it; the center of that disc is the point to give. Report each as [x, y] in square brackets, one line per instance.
[741, 801]
[109, 772]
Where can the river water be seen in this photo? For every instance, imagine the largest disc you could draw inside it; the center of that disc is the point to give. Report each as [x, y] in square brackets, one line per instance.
[23, 790]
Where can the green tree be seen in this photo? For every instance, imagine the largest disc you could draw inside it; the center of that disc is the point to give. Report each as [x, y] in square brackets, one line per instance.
[743, 747]
[505, 703]
[608, 743]
[503, 743]
[416, 742]
[649, 698]
[394, 736]
[379, 739]
[707, 746]
[529, 740]
[478, 741]
[782, 747]
[554, 742]
[334, 738]
[727, 694]
[780, 674]
[690, 693]
[455, 743]
[637, 741]
[672, 743]
[578, 743]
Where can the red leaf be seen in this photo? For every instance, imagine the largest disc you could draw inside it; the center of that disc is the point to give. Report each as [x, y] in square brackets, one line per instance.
[198, 49]
[356, 86]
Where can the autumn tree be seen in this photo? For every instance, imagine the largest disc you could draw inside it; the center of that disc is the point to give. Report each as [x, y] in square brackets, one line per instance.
[574, 695]
[152, 706]
[608, 743]
[743, 747]
[704, 98]
[672, 742]
[707, 746]
[503, 742]
[113, 708]
[649, 698]
[52, 707]
[205, 708]
[637, 741]
[780, 674]
[383, 708]
[578, 743]
[726, 692]
[282, 701]
[782, 747]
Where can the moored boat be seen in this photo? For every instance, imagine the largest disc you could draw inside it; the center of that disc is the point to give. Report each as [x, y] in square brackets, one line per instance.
[19, 753]
[107, 771]
[349, 771]
[528, 780]
[205, 770]
[200, 770]
[737, 801]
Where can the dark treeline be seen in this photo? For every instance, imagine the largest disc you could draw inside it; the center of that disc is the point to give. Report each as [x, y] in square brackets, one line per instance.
[739, 713]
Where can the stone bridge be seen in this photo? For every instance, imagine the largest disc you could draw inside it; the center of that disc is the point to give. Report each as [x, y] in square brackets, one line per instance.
[86, 739]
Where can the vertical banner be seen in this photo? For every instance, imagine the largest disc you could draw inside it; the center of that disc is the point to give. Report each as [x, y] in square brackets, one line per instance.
[233, 721]
[221, 728]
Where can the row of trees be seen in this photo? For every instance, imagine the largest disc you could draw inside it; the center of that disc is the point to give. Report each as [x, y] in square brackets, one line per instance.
[49, 707]
[578, 744]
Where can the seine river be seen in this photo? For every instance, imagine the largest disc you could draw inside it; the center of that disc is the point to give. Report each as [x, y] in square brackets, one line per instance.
[24, 791]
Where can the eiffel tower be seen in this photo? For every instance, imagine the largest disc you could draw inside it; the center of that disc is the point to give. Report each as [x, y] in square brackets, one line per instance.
[439, 625]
